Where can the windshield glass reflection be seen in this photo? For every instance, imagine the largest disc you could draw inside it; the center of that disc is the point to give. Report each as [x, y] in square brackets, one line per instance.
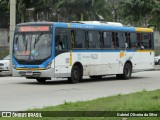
[32, 46]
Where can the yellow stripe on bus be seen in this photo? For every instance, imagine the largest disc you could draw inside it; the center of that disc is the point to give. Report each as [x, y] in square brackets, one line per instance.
[145, 50]
[30, 69]
[70, 57]
[143, 29]
[69, 25]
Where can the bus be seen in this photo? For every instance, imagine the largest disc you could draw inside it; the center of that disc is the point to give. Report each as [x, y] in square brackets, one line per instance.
[45, 50]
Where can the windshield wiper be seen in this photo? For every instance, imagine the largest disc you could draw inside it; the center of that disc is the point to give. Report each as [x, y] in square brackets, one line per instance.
[37, 39]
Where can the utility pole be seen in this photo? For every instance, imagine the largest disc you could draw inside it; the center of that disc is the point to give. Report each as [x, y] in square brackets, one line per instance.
[12, 27]
[93, 17]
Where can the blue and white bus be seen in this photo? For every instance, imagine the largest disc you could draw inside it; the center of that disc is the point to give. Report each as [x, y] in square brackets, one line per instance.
[45, 50]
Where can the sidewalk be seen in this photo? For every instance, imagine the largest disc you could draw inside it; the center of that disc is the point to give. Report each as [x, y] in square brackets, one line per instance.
[5, 73]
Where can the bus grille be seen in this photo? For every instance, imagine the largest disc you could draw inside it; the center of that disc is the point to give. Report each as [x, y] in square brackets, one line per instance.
[24, 73]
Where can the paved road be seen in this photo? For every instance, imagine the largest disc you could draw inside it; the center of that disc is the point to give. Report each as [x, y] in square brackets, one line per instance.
[21, 94]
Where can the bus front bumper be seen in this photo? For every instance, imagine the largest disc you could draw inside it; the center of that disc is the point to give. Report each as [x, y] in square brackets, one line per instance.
[49, 73]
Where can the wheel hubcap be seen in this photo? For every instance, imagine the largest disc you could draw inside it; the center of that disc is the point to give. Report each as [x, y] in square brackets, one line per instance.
[127, 71]
[76, 75]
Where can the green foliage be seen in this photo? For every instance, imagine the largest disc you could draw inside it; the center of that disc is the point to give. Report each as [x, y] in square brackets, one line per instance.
[4, 12]
[141, 12]
[144, 13]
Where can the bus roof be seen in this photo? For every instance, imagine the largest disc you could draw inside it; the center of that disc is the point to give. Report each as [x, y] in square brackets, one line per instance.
[85, 25]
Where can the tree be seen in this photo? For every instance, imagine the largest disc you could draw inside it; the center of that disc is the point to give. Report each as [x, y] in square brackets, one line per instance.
[100, 8]
[139, 12]
[83, 9]
[4, 13]
[22, 5]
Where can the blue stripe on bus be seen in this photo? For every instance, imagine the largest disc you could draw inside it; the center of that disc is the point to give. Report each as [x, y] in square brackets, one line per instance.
[95, 27]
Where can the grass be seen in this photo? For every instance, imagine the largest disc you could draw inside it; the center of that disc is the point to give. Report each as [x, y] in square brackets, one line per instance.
[140, 101]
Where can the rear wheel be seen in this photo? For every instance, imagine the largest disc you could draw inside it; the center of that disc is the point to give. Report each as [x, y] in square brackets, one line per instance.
[127, 72]
[158, 62]
[41, 80]
[96, 77]
[76, 74]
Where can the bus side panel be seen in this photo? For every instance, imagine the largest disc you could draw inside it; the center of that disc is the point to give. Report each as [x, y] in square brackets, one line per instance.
[110, 63]
[91, 61]
[62, 65]
[124, 56]
[140, 60]
[143, 61]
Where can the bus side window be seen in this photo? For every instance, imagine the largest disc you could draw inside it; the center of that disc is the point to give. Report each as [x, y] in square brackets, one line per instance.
[120, 40]
[146, 40]
[107, 39]
[79, 39]
[61, 42]
[72, 38]
[61, 39]
[94, 39]
[117, 40]
[140, 41]
[113, 40]
[150, 41]
[133, 41]
[127, 40]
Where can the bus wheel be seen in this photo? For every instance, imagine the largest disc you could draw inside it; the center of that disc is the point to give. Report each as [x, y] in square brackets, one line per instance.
[96, 77]
[41, 80]
[76, 74]
[127, 72]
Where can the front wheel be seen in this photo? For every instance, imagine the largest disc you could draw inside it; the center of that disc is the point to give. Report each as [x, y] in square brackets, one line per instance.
[158, 62]
[41, 80]
[127, 72]
[76, 74]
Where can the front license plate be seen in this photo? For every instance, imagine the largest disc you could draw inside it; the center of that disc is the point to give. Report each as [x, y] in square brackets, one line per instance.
[29, 73]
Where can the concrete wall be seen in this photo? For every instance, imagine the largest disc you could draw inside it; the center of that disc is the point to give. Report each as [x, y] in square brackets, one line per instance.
[157, 39]
[4, 38]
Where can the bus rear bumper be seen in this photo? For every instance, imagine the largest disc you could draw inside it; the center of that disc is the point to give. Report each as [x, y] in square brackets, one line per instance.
[49, 73]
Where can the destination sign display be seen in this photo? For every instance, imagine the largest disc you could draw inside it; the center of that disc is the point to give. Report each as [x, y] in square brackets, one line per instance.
[33, 28]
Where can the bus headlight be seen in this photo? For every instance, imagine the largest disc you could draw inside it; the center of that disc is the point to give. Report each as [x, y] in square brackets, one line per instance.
[48, 66]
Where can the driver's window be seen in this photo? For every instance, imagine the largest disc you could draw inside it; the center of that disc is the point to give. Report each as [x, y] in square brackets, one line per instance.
[61, 41]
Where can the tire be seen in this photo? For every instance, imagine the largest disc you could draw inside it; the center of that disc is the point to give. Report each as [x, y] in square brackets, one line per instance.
[76, 74]
[96, 77]
[158, 62]
[127, 72]
[41, 80]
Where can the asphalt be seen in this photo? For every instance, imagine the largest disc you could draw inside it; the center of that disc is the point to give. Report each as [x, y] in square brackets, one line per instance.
[21, 94]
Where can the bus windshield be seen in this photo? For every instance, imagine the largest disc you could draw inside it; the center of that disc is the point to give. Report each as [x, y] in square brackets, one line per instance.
[32, 46]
